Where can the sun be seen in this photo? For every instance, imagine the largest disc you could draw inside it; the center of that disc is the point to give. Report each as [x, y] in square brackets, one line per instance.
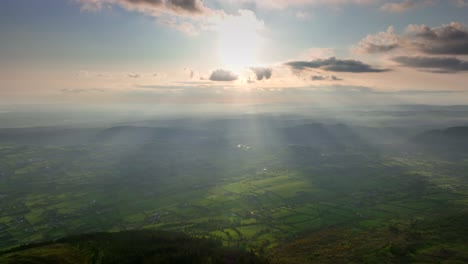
[239, 41]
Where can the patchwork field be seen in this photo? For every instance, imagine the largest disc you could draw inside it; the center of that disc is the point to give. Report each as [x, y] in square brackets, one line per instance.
[245, 198]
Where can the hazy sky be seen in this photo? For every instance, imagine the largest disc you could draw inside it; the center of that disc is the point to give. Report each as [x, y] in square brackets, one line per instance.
[227, 51]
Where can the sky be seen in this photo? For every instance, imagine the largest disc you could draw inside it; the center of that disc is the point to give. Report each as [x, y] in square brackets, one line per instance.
[155, 52]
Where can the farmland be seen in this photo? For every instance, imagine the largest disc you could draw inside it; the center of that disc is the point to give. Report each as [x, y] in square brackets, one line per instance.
[247, 196]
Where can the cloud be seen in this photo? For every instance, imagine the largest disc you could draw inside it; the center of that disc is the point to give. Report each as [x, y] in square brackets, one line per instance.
[449, 39]
[325, 78]
[318, 78]
[134, 75]
[406, 5]
[435, 64]
[380, 42]
[446, 39]
[183, 15]
[181, 7]
[192, 6]
[262, 73]
[334, 65]
[283, 4]
[187, 16]
[191, 72]
[221, 75]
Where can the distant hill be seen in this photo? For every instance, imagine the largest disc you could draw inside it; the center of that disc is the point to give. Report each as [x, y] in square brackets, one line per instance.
[119, 135]
[452, 133]
[134, 134]
[61, 136]
[453, 138]
[317, 134]
[266, 132]
[129, 247]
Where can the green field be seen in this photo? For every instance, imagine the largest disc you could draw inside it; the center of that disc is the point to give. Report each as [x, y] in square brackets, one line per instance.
[250, 199]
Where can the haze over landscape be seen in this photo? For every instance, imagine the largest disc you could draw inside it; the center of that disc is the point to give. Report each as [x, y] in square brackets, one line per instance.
[222, 131]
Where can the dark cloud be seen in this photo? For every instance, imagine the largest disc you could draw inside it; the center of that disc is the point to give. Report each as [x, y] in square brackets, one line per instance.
[184, 7]
[434, 64]
[134, 75]
[376, 48]
[187, 6]
[447, 39]
[147, 2]
[318, 78]
[325, 78]
[334, 65]
[450, 39]
[262, 72]
[221, 75]
[192, 6]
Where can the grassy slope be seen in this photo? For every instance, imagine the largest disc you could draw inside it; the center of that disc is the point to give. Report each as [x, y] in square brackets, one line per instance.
[128, 247]
[439, 240]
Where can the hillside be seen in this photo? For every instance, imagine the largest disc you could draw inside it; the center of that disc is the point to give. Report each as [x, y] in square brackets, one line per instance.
[128, 247]
[449, 139]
